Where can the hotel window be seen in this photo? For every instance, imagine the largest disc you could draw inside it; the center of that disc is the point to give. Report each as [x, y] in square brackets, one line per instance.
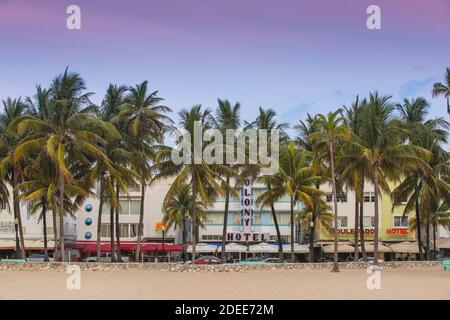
[369, 222]
[105, 208]
[211, 237]
[283, 238]
[342, 222]
[401, 222]
[127, 230]
[214, 218]
[256, 217]
[369, 196]
[49, 231]
[2, 205]
[130, 206]
[105, 232]
[124, 230]
[135, 206]
[282, 218]
[236, 218]
[341, 197]
[133, 230]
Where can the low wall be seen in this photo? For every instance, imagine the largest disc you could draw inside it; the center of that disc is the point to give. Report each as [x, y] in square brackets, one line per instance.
[171, 267]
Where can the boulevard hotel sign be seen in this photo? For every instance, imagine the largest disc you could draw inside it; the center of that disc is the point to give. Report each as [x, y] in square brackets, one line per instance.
[247, 230]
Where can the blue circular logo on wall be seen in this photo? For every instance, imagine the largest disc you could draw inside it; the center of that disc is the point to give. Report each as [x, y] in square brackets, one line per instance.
[88, 207]
[88, 235]
[88, 221]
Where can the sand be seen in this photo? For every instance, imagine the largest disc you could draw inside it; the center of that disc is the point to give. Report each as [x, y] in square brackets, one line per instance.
[420, 283]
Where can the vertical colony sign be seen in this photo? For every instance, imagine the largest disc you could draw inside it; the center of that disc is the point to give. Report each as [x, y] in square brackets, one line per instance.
[247, 228]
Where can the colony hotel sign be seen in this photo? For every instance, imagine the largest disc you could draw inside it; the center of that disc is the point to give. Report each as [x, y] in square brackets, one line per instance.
[247, 232]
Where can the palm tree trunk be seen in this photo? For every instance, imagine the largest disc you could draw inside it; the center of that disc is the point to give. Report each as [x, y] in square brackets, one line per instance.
[141, 221]
[434, 236]
[118, 209]
[111, 231]
[312, 233]
[16, 205]
[99, 222]
[336, 235]
[361, 231]
[292, 230]
[361, 219]
[428, 253]
[375, 237]
[277, 227]
[356, 254]
[55, 233]
[61, 217]
[419, 229]
[183, 240]
[44, 227]
[225, 219]
[194, 215]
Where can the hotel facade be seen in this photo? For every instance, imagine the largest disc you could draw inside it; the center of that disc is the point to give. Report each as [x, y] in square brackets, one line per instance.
[82, 228]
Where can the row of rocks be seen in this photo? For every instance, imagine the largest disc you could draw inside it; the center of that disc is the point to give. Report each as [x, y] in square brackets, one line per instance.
[172, 267]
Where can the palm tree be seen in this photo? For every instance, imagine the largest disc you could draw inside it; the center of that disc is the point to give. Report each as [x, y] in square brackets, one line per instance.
[71, 134]
[205, 180]
[113, 175]
[11, 170]
[381, 148]
[304, 130]
[144, 121]
[352, 172]
[178, 210]
[40, 191]
[266, 120]
[425, 189]
[319, 216]
[439, 216]
[412, 115]
[332, 132]
[443, 89]
[296, 179]
[227, 118]
[40, 106]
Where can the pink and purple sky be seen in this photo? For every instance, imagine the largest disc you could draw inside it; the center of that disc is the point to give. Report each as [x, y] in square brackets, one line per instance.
[295, 56]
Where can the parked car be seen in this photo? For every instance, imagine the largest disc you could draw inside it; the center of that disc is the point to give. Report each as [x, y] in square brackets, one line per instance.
[273, 260]
[252, 260]
[106, 257]
[37, 257]
[208, 260]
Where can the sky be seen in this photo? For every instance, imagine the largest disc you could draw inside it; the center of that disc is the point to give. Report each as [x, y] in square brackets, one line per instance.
[295, 56]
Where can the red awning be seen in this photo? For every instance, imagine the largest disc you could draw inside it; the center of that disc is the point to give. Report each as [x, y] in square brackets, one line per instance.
[168, 247]
[127, 246]
[105, 247]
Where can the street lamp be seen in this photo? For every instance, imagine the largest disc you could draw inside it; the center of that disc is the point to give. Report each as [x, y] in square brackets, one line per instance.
[16, 228]
[163, 229]
[160, 226]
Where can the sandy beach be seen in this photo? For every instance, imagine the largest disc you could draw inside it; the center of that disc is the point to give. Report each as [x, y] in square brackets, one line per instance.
[418, 283]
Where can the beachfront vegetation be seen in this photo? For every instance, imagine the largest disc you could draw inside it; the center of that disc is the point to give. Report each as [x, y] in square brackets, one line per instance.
[57, 148]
